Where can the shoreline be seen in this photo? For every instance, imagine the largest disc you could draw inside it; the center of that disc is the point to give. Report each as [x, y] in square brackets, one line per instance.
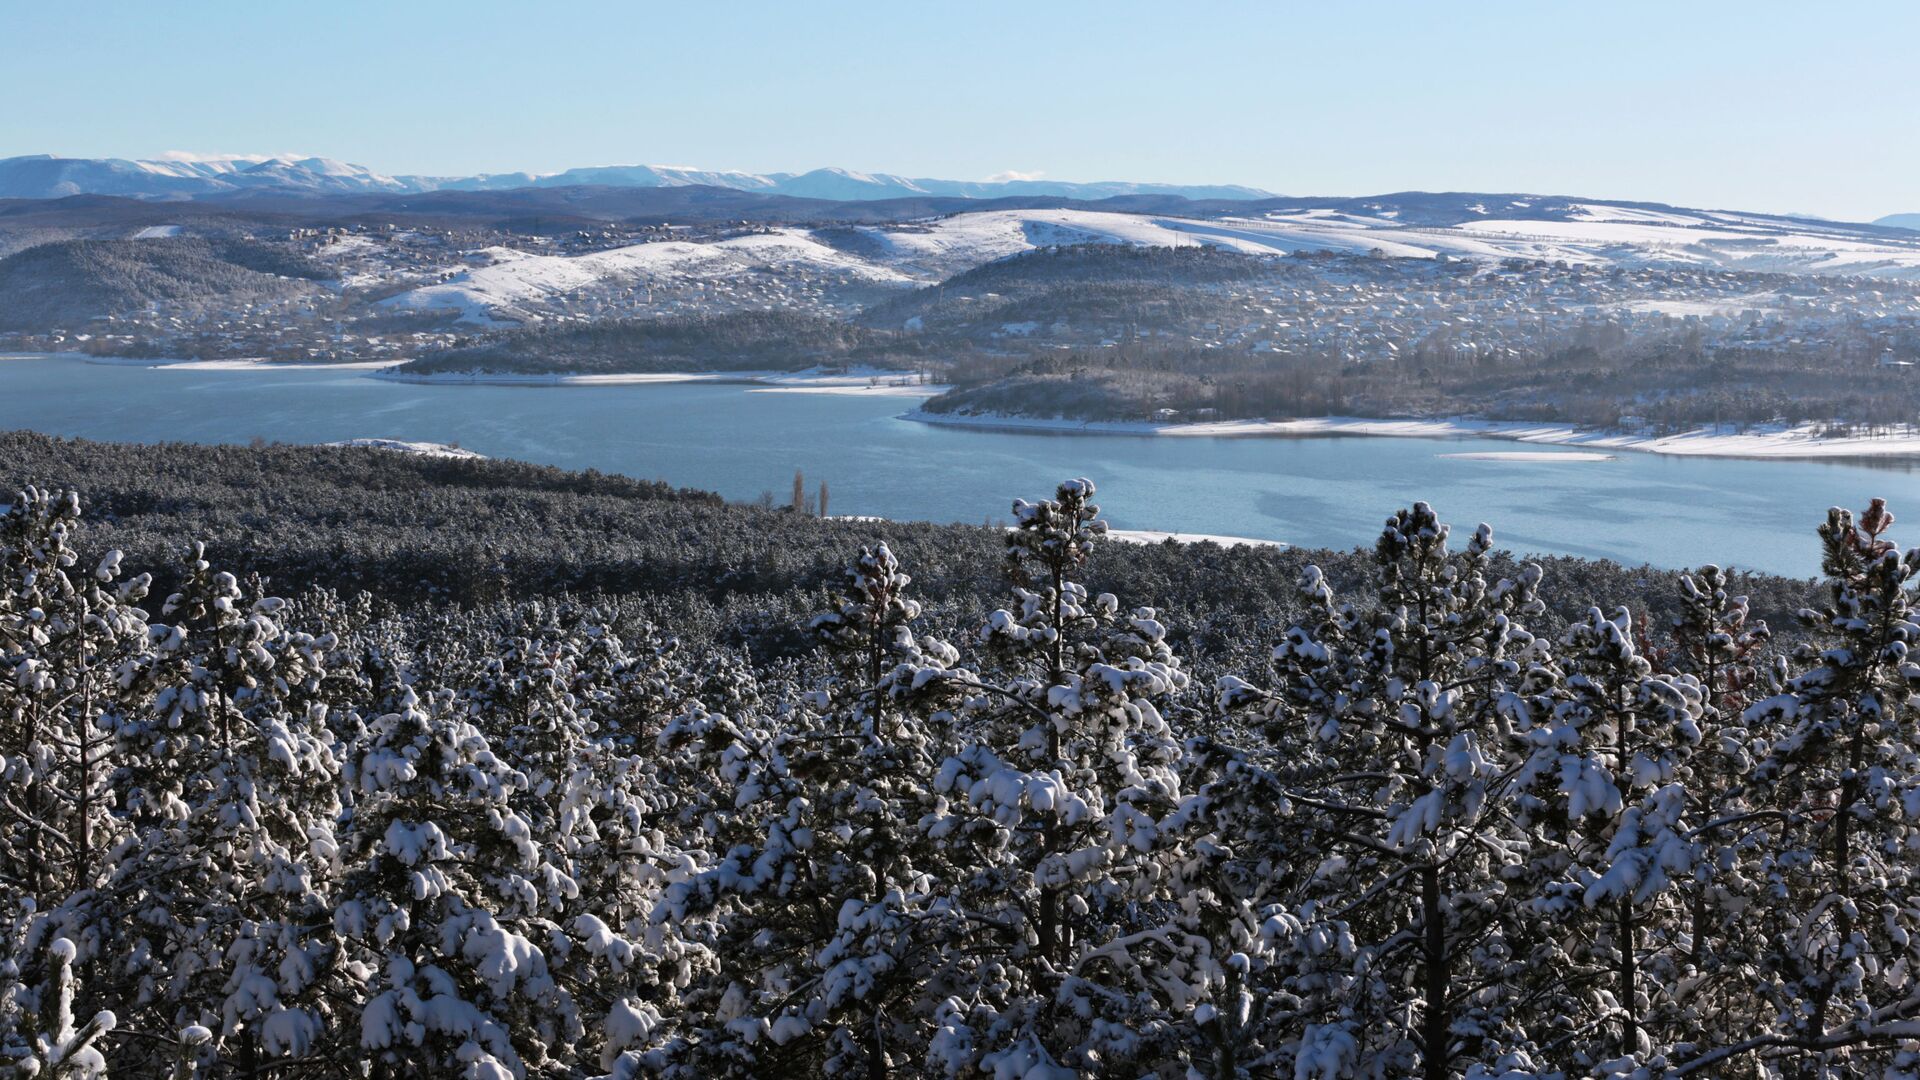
[238, 363]
[250, 365]
[509, 378]
[1797, 443]
[864, 381]
[870, 382]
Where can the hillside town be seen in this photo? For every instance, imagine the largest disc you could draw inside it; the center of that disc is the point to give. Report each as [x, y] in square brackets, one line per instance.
[383, 292]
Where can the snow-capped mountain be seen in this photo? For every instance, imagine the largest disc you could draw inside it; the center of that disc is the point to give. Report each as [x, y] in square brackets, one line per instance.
[44, 176]
[644, 176]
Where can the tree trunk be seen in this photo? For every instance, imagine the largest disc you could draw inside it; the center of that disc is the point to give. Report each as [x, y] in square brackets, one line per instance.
[877, 1050]
[1434, 1022]
[1629, 978]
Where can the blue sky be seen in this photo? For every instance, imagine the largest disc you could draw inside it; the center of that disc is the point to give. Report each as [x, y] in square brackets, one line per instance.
[1752, 105]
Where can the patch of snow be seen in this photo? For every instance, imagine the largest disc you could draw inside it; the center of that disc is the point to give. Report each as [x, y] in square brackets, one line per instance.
[424, 449]
[1155, 536]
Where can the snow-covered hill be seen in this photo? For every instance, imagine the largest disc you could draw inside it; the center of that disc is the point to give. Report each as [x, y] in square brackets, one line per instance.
[781, 264]
[1595, 233]
[518, 286]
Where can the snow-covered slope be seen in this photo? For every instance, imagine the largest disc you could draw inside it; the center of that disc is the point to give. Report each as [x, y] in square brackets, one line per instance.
[518, 285]
[1590, 233]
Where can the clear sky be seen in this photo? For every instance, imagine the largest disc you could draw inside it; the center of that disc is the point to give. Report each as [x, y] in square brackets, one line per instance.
[1754, 105]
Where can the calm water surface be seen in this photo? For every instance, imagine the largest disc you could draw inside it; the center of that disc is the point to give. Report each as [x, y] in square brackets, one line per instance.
[1320, 492]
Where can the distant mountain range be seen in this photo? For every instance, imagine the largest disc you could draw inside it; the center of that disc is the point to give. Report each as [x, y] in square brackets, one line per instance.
[44, 176]
[1900, 221]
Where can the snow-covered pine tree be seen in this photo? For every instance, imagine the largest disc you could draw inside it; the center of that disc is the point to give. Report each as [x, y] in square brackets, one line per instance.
[836, 918]
[1700, 966]
[581, 709]
[228, 777]
[445, 908]
[65, 634]
[1841, 783]
[1422, 701]
[68, 636]
[1065, 769]
[1603, 795]
[1241, 958]
[62, 1048]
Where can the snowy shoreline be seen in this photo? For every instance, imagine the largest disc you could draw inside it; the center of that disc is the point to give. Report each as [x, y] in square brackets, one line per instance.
[1803, 442]
[240, 364]
[868, 381]
[174, 363]
[507, 378]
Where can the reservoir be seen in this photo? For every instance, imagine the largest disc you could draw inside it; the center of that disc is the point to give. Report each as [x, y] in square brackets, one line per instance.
[741, 441]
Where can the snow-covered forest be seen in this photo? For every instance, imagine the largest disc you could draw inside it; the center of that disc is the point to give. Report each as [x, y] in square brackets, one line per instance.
[323, 835]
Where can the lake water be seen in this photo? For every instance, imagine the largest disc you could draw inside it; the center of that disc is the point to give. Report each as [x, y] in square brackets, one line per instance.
[1332, 492]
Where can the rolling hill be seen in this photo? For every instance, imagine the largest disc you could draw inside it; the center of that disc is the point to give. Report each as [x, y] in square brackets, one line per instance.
[68, 283]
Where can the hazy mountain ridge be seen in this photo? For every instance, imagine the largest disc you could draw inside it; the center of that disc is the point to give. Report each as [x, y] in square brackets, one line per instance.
[42, 176]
